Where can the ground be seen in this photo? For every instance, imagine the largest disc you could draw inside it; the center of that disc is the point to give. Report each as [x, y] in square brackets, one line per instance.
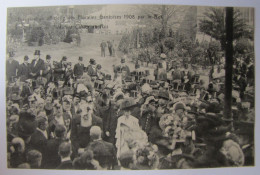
[89, 48]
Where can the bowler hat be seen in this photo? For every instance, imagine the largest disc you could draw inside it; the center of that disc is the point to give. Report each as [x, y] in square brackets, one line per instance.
[92, 61]
[48, 57]
[26, 58]
[163, 94]
[37, 52]
[64, 58]
[127, 104]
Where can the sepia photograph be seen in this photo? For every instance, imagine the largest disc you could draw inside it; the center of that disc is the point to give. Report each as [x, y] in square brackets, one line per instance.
[129, 87]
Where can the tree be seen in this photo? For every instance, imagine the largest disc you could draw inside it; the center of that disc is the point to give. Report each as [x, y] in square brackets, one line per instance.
[214, 25]
[163, 17]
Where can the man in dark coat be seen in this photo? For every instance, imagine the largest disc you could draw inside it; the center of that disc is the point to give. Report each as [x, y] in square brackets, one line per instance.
[91, 69]
[80, 128]
[12, 67]
[107, 110]
[24, 69]
[65, 152]
[39, 137]
[52, 147]
[59, 69]
[79, 68]
[104, 152]
[47, 71]
[103, 46]
[37, 65]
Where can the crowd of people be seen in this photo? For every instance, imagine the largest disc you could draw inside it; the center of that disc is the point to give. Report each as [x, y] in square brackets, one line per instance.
[64, 116]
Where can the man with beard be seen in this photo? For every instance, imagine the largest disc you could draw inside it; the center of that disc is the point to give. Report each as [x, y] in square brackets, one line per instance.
[80, 128]
[106, 109]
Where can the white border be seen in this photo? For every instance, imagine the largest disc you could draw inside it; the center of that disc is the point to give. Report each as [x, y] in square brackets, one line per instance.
[16, 3]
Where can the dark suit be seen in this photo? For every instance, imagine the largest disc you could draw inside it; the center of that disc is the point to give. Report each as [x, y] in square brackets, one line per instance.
[78, 70]
[58, 72]
[24, 71]
[11, 69]
[47, 71]
[65, 165]
[91, 72]
[104, 153]
[39, 142]
[36, 67]
[80, 136]
[52, 149]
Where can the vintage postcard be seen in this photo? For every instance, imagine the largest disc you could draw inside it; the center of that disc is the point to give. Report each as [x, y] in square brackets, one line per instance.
[130, 87]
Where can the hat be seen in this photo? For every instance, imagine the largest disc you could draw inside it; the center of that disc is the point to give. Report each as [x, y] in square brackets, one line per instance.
[92, 61]
[122, 60]
[26, 58]
[48, 57]
[37, 52]
[99, 66]
[81, 58]
[27, 124]
[127, 104]
[64, 58]
[179, 106]
[163, 94]
[108, 77]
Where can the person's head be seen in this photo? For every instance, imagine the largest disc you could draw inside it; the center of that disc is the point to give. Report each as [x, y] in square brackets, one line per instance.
[48, 58]
[60, 131]
[24, 166]
[42, 123]
[127, 112]
[48, 99]
[40, 104]
[58, 108]
[34, 158]
[26, 58]
[66, 104]
[86, 113]
[95, 132]
[18, 144]
[64, 59]
[80, 59]
[76, 100]
[179, 109]
[65, 149]
[127, 159]
[86, 157]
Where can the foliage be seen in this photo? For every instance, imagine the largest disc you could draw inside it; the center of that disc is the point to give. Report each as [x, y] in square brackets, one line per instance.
[169, 43]
[243, 46]
[36, 35]
[214, 25]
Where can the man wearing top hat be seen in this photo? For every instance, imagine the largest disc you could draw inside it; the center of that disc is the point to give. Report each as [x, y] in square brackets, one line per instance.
[12, 67]
[37, 65]
[79, 68]
[24, 69]
[47, 71]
